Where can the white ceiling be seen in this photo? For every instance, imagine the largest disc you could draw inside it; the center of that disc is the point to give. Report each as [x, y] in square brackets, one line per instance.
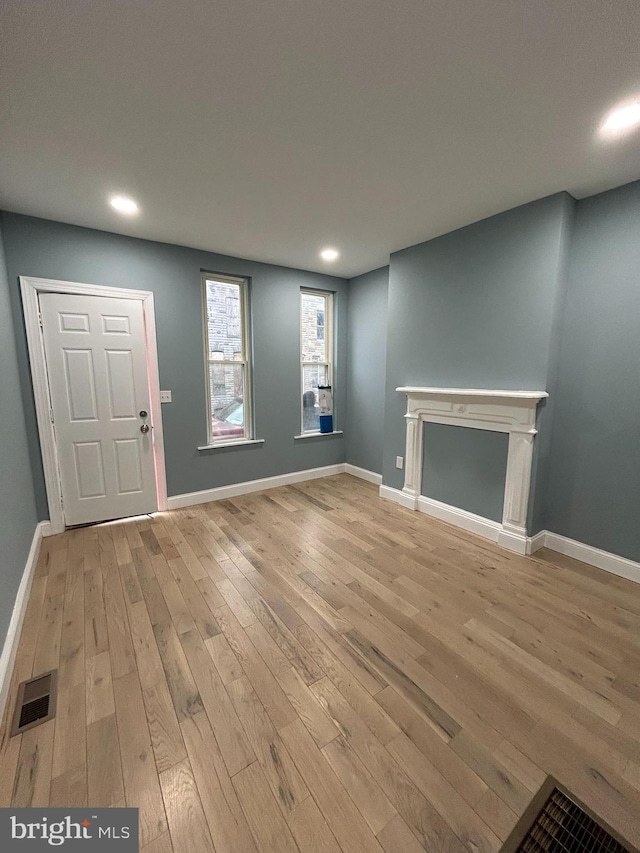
[272, 128]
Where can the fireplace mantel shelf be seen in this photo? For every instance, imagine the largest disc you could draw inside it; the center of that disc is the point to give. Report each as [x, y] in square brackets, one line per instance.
[417, 391]
[512, 412]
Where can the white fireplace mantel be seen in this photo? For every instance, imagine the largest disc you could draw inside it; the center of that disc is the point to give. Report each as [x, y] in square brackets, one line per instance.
[513, 412]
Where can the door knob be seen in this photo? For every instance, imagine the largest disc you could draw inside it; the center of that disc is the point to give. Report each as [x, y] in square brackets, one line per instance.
[143, 414]
[144, 428]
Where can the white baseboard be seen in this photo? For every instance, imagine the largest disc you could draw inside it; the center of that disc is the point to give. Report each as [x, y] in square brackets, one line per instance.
[620, 566]
[495, 532]
[46, 529]
[485, 527]
[10, 647]
[514, 542]
[223, 492]
[398, 497]
[363, 474]
[461, 518]
[534, 543]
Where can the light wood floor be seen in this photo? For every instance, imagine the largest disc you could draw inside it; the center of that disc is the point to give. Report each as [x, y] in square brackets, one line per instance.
[314, 669]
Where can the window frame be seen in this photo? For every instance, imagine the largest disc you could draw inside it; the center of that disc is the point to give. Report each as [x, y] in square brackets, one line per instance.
[245, 361]
[328, 296]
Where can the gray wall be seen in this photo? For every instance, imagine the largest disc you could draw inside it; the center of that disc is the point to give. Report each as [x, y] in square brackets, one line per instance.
[366, 366]
[37, 247]
[465, 468]
[475, 308]
[546, 408]
[18, 517]
[543, 296]
[593, 492]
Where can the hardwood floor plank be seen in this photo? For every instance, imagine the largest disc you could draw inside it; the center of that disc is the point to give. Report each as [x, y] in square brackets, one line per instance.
[166, 739]
[140, 776]
[243, 613]
[368, 677]
[376, 626]
[211, 593]
[162, 844]
[596, 702]
[424, 821]
[70, 742]
[491, 771]
[460, 774]
[178, 608]
[185, 695]
[226, 820]
[497, 814]
[305, 703]
[234, 745]
[310, 830]
[344, 819]
[130, 583]
[519, 766]
[269, 827]
[104, 784]
[99, 689]
[275, 702]
[187, 823]
[9, 757]
[286, 641]
[464, 821]
[72, 664]
[196, 601]
[70, 789]
[363, 790]
[315, 669]
[225, 661]
[396, 674]
[33, 772]
[378, 721]
[280, 771]
[47, 652]
[96, 637]
[396, 837]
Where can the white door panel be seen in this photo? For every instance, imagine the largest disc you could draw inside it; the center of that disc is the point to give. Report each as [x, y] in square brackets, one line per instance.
[122, 393]
[96, 362]
[80, 384]
[89, 469]
[128, 465]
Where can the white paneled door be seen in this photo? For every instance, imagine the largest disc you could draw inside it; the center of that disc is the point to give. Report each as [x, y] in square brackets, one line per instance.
[96, 361]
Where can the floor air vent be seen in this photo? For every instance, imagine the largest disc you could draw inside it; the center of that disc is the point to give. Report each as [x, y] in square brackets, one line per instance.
[36, 702]
[556, 822]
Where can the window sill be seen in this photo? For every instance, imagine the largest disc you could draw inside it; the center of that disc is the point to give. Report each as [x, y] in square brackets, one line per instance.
[318, 434]
[243, 442]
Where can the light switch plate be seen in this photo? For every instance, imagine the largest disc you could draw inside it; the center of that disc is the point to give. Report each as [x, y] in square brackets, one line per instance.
[400, 462]
[165, 396]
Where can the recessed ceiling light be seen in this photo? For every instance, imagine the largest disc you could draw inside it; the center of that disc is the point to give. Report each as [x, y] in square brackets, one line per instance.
[124, 205]
[621, 118]
[329, 254]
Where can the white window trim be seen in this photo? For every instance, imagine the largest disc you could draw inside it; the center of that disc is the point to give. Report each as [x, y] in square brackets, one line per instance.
[239, 442]
[248, 438]
[318, 434]
[328, 295]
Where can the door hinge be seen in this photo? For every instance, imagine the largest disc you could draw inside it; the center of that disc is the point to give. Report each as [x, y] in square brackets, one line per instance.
[40, 318]
[51, 415]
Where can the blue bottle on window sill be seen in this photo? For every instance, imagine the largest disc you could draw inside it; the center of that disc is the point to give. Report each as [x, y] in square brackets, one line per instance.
[325, 404]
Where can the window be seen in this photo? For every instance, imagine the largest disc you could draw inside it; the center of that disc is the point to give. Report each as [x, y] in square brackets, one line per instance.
[226, 303]
[316, 341]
